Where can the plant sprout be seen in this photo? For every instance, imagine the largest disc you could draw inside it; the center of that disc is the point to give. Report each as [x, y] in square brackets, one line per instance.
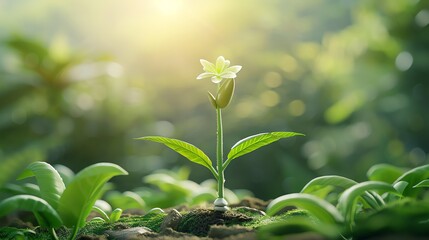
[55, 204]
[224, 77]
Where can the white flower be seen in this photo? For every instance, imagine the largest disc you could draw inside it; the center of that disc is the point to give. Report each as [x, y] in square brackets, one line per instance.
[219, 71]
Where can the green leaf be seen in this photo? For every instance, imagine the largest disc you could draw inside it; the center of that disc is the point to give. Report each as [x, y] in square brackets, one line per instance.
[225, 93]
[50, 183]
[26, 189]
[347, 204]
[102, 213]
[254, 142]
[203, 196]
[185, 149]
[80, 195]
[66, 173]
[212, 99]
[318, 207]
[422, 184]
[315, 187]
[34, 204]
[169, 184]
[384, 173]
[16, 233]
[115, 215]
[400, 186]
[125, 200]
[413, 177]
[324, 185]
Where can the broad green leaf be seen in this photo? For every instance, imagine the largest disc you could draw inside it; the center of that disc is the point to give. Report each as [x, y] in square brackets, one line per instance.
[50, 182]
[115, 215]
[322, 186]
[80, 195]
[254, 142]
[203, 196]
[103, 205]
[408, 216]
[103, 214]
[169, 184]
[413, 177]
[400, 186]
[320, 208]
[185, 149]
[34, 204]
[66, 173]
[384, 173]
[422, 184]
[16, 233]
[225, 93]
[315, 186]
[125, 200]
[26, 189]
[347, 202]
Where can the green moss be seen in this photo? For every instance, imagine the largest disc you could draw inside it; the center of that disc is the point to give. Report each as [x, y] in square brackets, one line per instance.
[95, 227]
[198, 221]
[98, 227]
[265, 220]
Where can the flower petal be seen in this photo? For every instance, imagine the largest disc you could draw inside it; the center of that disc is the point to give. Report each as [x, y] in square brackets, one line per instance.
[205, 75]
[228, 75]
[227, 63]
[220, 64]
[234, 69]
[208, 66]
[216, 79]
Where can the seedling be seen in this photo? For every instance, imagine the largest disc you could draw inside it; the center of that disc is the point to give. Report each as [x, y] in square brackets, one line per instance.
[112, 218]
[224, 76]
[54, 204]
[389, 193]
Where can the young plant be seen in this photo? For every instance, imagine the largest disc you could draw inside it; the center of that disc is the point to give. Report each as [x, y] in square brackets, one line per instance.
[56, 204]
[112, 218]
[392, 199]
[224, 76]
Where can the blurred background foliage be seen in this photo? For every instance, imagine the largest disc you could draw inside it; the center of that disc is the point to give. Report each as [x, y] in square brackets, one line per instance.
[80, 79]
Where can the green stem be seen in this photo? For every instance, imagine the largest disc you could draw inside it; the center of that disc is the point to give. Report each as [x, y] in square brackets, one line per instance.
[74, 233]
[54, 234]
[219, 153]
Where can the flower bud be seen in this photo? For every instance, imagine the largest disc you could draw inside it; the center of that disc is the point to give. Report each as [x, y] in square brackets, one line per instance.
[212, 99]
[225, 92]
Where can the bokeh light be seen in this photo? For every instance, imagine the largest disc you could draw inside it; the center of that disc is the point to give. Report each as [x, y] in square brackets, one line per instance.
[80, 80]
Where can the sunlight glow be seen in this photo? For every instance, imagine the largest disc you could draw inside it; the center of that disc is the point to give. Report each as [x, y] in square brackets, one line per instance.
[169, 7]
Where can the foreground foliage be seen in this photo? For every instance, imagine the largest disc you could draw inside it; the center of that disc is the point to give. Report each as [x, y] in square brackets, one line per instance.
[53, 203]
[352, 208]
[331, 207]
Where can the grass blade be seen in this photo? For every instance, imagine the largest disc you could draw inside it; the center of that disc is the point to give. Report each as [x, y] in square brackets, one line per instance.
[189, 151]
[422, 184]
[33, 204]
[80, 195]
[318, 207]
[50, 182]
